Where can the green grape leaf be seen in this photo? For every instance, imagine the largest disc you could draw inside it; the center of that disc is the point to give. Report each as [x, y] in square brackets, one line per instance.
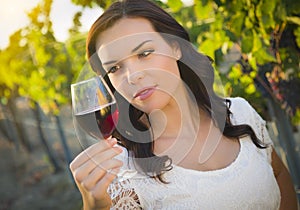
[297, 34]
[294, 19]
[250, 89]
[175, 5]
[202, 11]
[262, 56]
[236, 22]
[247, 41]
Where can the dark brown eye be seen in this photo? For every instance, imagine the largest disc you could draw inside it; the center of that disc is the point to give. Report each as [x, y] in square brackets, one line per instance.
[113, 69]
[145, 53]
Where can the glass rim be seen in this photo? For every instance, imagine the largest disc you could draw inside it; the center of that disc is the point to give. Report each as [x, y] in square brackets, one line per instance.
[87, 80]
[97, 79]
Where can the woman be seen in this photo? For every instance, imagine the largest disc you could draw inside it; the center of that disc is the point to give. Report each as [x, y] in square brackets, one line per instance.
[192, 149]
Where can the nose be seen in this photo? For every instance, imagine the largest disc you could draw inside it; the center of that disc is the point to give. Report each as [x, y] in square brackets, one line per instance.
[135, 77]
[134, 74]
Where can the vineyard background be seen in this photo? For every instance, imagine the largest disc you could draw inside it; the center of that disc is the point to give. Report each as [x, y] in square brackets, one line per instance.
[256, 49]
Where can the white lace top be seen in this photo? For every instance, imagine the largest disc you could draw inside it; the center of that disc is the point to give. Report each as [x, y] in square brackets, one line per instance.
[247, 183]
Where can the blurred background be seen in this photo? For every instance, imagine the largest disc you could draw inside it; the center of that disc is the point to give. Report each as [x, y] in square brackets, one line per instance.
[255, 45]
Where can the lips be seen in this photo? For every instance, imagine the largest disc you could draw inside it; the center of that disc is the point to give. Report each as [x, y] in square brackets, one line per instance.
[145, 93]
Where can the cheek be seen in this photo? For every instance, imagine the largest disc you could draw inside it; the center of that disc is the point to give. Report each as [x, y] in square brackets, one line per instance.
[168, 85]
[167, 64]
[122, 87]
[160, 70]
[167, 76]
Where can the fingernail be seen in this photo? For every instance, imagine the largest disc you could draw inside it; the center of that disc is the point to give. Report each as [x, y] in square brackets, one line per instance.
[118, 149]
[112, 141]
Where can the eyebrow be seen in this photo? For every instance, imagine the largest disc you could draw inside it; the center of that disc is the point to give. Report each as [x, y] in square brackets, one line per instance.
[140, 45]
[132, 51]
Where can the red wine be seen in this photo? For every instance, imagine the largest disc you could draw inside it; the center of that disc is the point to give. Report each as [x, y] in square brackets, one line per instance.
[99, 123]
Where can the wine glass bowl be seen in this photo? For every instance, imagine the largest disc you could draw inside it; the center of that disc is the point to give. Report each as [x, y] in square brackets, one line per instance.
[94, 107]
[95, 113]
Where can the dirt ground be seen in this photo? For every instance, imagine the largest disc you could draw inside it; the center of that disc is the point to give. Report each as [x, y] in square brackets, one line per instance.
[28, 180]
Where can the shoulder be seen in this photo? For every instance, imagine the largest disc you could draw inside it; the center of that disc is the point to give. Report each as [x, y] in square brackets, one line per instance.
[239, 103]
[241, 110]
[243, 113]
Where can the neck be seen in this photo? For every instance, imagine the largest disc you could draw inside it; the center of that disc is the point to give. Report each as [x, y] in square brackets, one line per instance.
[179, 119]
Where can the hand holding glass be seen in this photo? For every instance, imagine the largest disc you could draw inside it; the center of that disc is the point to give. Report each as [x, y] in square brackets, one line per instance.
[95, 111]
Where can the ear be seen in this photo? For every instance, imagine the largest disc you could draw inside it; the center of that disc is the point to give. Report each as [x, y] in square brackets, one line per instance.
[176, 50]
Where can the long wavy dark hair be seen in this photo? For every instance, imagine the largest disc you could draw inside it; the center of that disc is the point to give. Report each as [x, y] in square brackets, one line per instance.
[196, 71]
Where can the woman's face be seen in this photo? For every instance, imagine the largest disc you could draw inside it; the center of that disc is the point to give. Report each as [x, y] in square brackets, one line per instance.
[140, 64]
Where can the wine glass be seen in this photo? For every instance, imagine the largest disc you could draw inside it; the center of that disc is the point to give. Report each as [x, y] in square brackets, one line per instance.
[94, 107]
[95, 113]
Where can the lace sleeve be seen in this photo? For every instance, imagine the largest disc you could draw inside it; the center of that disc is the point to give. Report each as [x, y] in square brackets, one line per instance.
[122, 193]
[244, 113]
[123, 196]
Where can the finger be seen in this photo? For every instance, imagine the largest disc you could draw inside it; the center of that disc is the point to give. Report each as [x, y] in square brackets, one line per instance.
[100, 146]
[93, 150]
[102, 185]
[98, 161]
[99, 172]
[99, 158]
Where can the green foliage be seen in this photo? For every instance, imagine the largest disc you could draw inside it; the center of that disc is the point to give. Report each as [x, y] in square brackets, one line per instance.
[297, 34]
[203, 10]
[260, 30]
[264, 32]
[91, 3]
[35, 65]
[175, 5]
